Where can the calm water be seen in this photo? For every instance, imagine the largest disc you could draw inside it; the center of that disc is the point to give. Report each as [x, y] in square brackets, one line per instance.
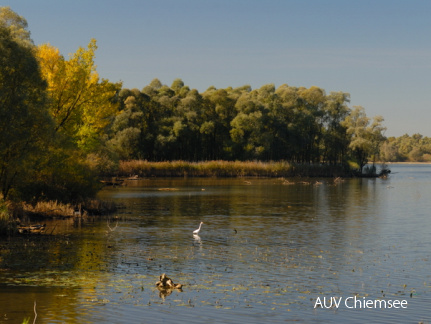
[268, 252]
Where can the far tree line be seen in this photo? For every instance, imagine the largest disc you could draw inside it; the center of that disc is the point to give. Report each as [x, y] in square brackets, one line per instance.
[62, 126]
[297, 124]
[406, 148]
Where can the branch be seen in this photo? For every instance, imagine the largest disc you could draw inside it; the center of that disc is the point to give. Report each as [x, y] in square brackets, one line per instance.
[35, 314]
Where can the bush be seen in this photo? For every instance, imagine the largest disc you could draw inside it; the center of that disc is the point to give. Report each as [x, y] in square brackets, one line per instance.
[64, 177]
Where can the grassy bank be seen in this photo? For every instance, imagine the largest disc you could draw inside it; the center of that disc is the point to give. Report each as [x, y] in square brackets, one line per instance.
[142, 168]
[54, 209]
[15, 214]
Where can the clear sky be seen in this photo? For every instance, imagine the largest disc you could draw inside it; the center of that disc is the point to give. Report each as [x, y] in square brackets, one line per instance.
[379, 51]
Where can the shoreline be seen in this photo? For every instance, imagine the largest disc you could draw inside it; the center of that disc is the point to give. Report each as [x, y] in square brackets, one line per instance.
[403, 162]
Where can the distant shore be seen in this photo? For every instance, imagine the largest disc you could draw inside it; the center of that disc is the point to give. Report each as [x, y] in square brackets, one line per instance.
[403, 162]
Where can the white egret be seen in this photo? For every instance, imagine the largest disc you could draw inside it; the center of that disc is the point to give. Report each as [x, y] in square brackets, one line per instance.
[198, 230]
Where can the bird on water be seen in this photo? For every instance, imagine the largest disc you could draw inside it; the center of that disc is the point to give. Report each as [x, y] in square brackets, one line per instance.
[198, 230]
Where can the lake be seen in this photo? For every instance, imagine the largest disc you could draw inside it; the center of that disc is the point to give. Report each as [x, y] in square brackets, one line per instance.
[269, 251]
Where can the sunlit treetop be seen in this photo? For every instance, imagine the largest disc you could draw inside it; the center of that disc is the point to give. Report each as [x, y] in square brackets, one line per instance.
[17, 26]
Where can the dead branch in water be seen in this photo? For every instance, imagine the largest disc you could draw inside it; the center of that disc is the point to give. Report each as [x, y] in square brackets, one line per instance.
[35, 313]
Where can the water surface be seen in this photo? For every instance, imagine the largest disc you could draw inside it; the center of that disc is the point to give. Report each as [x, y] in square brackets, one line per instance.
[269, 249]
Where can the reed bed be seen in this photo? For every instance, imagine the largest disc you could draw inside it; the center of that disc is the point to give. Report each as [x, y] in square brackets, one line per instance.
[52, 209]
[143, 168]
[55, 209]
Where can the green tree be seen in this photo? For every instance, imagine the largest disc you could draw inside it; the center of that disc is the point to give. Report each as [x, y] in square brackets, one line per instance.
[177, 85]
[17, 26]
[389, 151]
[188, 124]
[335, 140]
[286, 139]
[218, 107]
[25, 124]
[127, 126]
[248, 128]
[365, 136]
[309, 122]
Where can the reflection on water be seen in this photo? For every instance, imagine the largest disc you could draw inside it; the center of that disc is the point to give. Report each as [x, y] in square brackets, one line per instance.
[267, 250]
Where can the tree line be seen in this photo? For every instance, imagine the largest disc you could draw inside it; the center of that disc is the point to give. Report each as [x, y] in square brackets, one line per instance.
[302, 125]
[62, 126]
[406, 148]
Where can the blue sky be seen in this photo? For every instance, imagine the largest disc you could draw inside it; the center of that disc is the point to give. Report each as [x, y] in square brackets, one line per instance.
[379, 51]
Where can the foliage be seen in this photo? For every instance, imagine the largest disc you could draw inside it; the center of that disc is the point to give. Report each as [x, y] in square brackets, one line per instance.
[25, 124]
[64, 176]
[365, 138]
[80, 104]
[405, 148]
[16, 25]
[53, 117]
[286, 123]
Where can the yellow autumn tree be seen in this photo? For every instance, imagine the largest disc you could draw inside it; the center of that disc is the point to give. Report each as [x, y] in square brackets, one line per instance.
[81, 106]
[80, 103]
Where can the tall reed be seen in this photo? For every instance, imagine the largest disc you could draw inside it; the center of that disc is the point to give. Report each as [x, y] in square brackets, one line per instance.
[219, 168]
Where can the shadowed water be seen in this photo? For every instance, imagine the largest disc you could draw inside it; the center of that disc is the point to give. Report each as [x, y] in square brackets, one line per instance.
[267, 252]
